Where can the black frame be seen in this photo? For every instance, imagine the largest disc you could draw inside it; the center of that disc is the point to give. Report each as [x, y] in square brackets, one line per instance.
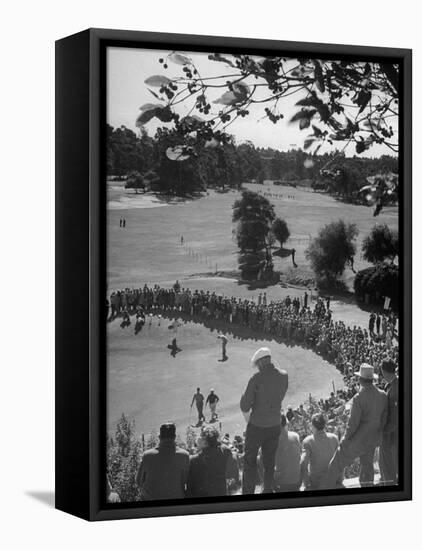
[80, 274]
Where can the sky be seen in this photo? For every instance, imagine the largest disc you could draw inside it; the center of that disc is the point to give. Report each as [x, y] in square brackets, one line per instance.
[127, 69]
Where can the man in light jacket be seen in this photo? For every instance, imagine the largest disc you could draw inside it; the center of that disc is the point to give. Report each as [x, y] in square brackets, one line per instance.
[261, 406]
[363, 433]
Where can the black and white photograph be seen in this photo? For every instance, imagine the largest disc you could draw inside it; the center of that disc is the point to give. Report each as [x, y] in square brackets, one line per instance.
[253, 258]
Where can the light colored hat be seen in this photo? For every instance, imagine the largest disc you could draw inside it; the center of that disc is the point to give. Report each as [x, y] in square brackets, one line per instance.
[367, 372]
[259, 354]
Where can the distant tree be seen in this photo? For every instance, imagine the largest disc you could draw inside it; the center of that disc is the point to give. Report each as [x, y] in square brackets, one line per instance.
[135, 181]
[332, 249]
[280, 231]
[253, 215]
[381, 244]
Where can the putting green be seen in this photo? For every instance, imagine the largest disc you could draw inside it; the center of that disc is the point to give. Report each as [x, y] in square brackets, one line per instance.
[147, 383]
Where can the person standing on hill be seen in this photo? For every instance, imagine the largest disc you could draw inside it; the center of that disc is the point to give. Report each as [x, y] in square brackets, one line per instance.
[163, 472]
[198, 399]
[287, 460]
[389, 449]
[261, 406]
[212, 467]
[363, 434]
[318, 450]
[212, 400]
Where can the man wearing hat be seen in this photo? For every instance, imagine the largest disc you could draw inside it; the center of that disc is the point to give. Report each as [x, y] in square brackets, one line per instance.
[389, 446]
[363, 434]
[163, 472]
[261, 405]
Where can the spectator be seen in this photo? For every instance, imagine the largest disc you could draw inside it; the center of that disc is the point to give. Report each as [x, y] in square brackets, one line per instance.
[212, 467]
[261, 405]
[390, 446]
[164, 470]
[287, 460]
[318, 450]
[363, 433]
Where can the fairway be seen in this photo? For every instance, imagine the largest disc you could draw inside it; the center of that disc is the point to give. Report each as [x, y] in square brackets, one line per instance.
[147, 383]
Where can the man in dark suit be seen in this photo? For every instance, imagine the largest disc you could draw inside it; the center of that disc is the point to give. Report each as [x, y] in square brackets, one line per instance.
[390, 445]
[163, 472]
[363, 434]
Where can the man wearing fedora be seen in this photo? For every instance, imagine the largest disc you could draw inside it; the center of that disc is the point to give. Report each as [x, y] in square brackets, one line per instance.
[261, 406]
[390, 444]
[363, 434]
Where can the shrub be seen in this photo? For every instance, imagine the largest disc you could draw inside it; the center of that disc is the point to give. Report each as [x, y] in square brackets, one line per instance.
[377, 282]
[381, 244]
[332, 249]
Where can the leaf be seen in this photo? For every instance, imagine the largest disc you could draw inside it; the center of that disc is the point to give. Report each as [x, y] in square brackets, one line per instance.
[363, 99]
[319, 77]
[241, 90]
[157, 81]
[149, 106]
[177, 153]
[228, 98]
[310, 101]
[155, 95]
[164, 114]
[222, 59]
[179, 59]
[303, 114]
[304, 123]
[308, 142]
[145, 117]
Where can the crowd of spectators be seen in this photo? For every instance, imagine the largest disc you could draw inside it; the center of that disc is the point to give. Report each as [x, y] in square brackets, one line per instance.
[210, 464]
[291, 320]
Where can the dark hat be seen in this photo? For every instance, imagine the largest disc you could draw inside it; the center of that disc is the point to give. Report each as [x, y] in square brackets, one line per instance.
[168, 430]
[388, 366]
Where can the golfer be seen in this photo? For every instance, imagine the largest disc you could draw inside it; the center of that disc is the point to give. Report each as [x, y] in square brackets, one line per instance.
[223, 339]
[261, 406]
[198, 399]
[212, 399]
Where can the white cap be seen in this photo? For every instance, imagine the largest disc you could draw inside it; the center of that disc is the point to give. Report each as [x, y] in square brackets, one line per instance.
[259, 354]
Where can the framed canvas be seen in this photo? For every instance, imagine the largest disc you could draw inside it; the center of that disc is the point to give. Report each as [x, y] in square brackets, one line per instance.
[233, 276]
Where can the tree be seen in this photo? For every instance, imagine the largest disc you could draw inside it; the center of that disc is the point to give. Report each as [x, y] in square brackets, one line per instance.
[351, 101]
[124, 454]
[332, 249]
[381, 244]
[377, 282]
[338, 101]
[280, 230]
[135, 181]
[254, 215]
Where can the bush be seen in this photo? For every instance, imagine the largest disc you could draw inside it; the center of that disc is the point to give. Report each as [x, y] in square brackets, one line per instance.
[381, 244]
[377, 282]
[332, 249]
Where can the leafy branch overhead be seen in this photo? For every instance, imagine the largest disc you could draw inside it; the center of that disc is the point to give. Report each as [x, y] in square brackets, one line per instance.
[337, 101]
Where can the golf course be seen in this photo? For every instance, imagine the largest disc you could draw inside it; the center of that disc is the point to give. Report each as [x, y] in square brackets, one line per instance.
[144, 380]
